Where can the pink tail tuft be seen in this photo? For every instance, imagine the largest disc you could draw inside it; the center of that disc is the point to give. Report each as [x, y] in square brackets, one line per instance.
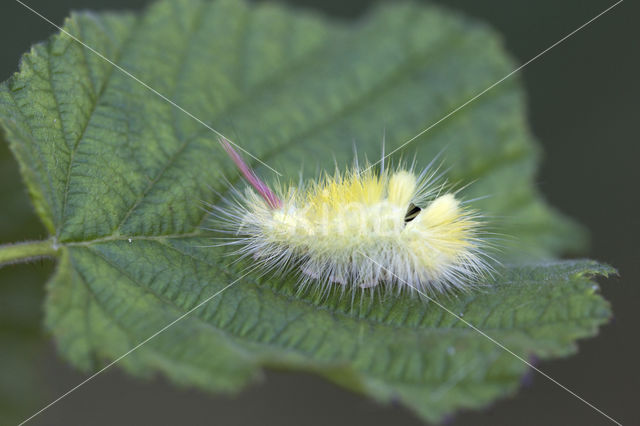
[272, 199]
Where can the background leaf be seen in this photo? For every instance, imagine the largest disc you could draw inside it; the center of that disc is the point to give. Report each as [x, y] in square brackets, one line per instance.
[117, 176]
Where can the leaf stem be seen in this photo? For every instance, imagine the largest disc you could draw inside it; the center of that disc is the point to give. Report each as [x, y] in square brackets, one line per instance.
[27, 251]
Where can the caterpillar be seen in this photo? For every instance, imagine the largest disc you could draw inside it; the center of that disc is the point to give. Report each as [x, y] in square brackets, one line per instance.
[358, 229]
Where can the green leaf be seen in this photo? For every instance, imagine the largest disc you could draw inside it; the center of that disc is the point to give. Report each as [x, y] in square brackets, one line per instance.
[118, 177]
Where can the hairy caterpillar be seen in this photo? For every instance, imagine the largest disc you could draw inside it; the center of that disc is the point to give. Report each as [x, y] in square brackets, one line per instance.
[357, 229]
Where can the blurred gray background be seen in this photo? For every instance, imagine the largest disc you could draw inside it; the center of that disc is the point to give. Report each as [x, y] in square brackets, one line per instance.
[583, 107]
